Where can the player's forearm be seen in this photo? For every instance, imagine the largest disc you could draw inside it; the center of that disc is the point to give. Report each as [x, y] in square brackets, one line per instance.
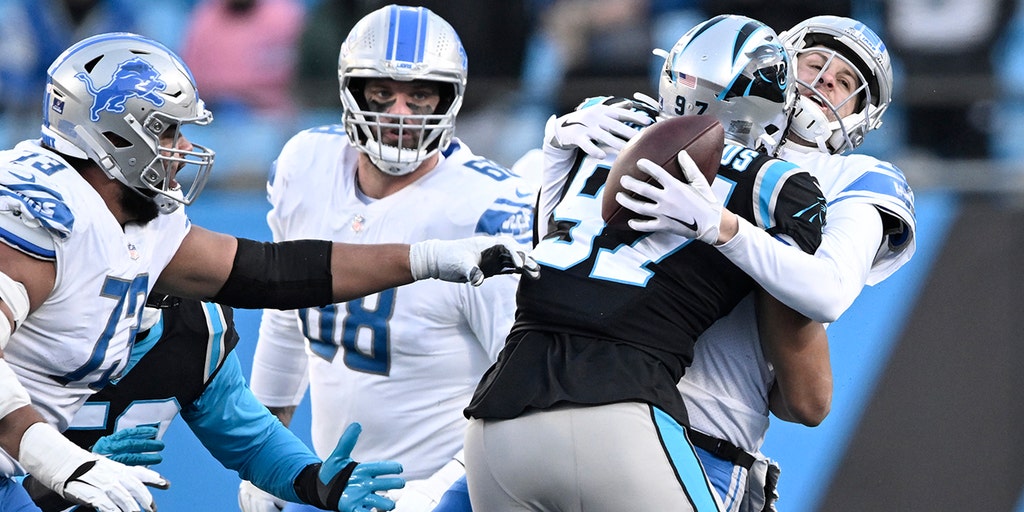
[279, 365]
[359, 270]
[13, 427]
[820, 286]
[240, 433]
[798, 350]
[728, 227]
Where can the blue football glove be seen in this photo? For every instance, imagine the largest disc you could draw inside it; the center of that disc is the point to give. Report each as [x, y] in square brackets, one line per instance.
[132, 446]
[342, 484]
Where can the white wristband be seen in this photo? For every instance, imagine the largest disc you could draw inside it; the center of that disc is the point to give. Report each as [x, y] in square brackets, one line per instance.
[50, 457]
[423, 260]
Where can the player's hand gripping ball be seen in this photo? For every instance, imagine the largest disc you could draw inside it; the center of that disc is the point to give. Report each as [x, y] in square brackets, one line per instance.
[702, 137]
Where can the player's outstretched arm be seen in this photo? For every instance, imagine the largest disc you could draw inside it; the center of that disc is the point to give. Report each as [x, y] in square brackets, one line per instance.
[306, 273]
[342, 484]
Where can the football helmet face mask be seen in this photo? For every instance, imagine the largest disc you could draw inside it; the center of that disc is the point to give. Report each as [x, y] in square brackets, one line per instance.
[736, 69]
[856, 45]
[402, 44]
[113, 99]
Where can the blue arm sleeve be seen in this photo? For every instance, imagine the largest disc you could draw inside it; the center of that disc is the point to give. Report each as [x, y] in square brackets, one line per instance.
[243, 436]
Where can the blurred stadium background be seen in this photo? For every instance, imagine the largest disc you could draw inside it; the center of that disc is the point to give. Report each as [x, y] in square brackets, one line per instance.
[926, 413]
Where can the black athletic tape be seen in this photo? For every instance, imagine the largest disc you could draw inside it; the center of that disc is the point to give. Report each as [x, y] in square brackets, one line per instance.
[285, 275]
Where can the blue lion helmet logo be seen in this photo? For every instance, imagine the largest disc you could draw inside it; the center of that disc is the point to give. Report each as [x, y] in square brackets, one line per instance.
[133, 78]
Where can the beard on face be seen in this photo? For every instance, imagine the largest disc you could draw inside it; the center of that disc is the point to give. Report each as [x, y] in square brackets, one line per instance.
[140, 208]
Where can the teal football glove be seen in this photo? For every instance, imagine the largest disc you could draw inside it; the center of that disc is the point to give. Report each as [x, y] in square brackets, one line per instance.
[342, 484]
[132, 446]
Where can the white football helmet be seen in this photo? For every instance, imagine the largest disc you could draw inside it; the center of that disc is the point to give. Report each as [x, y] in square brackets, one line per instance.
[111, 97]
[859, 47]
[736, 69]
[401, 43]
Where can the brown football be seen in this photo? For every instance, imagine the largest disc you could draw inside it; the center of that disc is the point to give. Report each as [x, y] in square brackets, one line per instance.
[701, 136]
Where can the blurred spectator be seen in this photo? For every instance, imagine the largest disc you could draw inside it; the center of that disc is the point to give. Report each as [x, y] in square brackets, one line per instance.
[324, 31]
[243, 54]
[577, 39]
[32, 34]
[494, 38]
[944, 49]
[780, 14]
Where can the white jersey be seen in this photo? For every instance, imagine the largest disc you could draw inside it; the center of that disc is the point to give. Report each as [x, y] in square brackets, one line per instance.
[726, 387]
[404, 362]
[81, 336]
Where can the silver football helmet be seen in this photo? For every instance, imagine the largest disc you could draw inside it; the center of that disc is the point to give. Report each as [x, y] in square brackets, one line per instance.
[401, 43]
[736, 69]
[111, 98]
[859, 47]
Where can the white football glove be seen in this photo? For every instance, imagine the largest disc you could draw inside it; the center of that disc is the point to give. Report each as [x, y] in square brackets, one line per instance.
[591, 127]
[687, 209]
[469, 260]
[85, 477]
[254, 499]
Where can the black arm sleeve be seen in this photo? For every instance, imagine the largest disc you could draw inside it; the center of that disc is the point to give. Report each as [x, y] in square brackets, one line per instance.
[284, 275]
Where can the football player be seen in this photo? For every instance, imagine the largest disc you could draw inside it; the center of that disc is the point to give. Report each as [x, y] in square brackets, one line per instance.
[845, 83]
[581, 410]
[402, 362]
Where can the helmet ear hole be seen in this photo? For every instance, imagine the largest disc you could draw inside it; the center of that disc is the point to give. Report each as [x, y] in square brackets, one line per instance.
[116, 140]
[447, 92]
[89, 66]
[357, 86]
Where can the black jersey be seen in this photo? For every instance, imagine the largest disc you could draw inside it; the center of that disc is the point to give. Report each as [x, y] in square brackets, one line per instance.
[170, 367]
[615, 313]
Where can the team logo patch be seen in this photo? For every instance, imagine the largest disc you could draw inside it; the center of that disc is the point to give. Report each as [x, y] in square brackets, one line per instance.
[133, 78]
